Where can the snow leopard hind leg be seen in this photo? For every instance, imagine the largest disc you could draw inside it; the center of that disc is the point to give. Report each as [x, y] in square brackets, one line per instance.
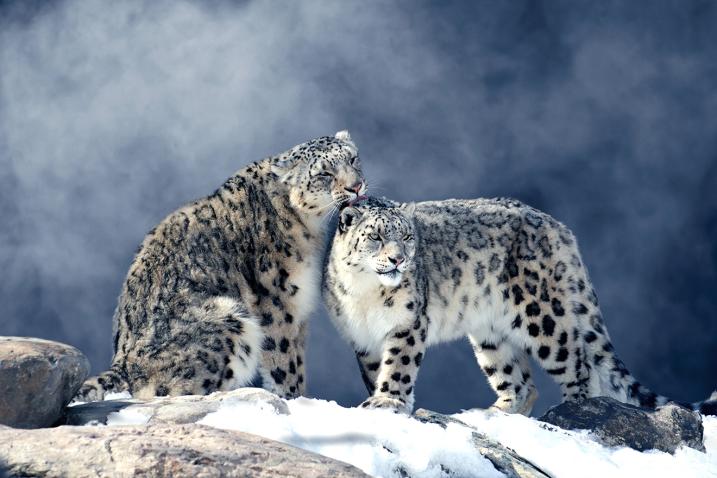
[552, 310]
[507, 368]
[214, 345]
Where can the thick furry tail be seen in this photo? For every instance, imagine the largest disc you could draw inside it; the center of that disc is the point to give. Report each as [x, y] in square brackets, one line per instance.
[618, 383]
[607, 374]
[95, 388]
[610, 377]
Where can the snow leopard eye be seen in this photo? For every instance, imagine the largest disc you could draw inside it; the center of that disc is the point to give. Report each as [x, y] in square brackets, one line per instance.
[323, 174]
[408, 237]
[374, 237]
[354, 160]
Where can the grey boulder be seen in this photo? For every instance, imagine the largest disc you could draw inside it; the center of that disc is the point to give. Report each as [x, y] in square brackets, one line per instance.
[158, 451]
[177, 410]
[37, 379]
[614, 423]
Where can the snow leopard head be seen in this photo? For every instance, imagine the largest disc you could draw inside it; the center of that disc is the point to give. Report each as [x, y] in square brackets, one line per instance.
[322, 174]
[378, 238]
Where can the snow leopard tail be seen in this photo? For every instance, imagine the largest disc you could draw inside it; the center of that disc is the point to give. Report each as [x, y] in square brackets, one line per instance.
[618, 383]
[95, 388]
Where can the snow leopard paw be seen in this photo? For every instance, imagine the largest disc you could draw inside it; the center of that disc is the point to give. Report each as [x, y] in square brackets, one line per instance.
[394, 404]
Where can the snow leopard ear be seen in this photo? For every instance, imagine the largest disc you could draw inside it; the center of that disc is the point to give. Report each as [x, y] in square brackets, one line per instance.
[349, 216]
[345, 138]
[409, 209]
[343, 135]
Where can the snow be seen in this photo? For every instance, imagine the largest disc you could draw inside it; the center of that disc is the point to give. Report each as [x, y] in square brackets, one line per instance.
[377, 441]
[117, 396]
[128, 417]
[560, 453]
[385, 444]
[108, 396]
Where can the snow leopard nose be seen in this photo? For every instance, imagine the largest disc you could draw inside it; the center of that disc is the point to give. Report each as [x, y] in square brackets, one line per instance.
[356, 188]
[397, 260]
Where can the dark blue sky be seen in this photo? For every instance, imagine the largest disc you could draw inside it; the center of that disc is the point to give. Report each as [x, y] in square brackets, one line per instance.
[600, 113]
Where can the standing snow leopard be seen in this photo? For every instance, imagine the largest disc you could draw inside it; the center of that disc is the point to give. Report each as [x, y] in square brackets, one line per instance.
[402, 277]
[224, 286]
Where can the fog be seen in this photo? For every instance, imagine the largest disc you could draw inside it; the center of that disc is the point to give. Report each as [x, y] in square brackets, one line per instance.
[113, 114]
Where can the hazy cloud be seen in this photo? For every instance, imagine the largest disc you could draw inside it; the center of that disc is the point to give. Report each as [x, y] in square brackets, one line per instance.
[112, 114]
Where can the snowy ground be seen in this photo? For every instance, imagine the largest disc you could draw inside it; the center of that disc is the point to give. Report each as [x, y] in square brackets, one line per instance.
[382, 443]
[568, 454]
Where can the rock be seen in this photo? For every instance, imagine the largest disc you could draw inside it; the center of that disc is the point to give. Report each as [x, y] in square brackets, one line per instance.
[37, 379]
[503, 458]
[183, 409]
[614, 423]
[158, 451]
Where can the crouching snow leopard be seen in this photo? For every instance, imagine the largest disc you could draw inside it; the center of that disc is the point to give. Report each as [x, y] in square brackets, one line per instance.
[224, 286]
[402, 277]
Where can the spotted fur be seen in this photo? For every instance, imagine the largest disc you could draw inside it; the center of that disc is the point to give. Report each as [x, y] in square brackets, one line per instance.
[510, 278]
[224, 286]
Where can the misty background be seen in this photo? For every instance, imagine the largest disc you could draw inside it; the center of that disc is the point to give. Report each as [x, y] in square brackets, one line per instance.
[603, 114]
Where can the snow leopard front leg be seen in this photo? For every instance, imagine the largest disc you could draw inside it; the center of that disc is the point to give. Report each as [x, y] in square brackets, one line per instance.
[300, 346]
[369, 364]
[282, 357]
[401, 357]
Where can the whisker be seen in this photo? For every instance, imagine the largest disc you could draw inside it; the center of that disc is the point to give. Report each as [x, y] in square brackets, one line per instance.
[325, 206]
[374, 188]
[329, 216]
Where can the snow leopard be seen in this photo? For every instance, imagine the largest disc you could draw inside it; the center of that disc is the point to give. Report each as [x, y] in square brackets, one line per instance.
[402, 277]
[223, 287]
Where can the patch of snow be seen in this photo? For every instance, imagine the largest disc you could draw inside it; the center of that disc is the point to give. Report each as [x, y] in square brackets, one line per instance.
[562, 453]
[94, 423]
[378, 442]
[118, 396]
[129, 417]
[108, 396]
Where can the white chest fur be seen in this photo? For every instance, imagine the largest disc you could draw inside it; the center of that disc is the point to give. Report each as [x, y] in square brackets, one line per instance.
[365, 320]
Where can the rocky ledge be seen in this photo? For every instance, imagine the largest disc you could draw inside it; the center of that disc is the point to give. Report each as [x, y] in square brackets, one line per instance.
[183, 410]
[158, 451]
[170, 436]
